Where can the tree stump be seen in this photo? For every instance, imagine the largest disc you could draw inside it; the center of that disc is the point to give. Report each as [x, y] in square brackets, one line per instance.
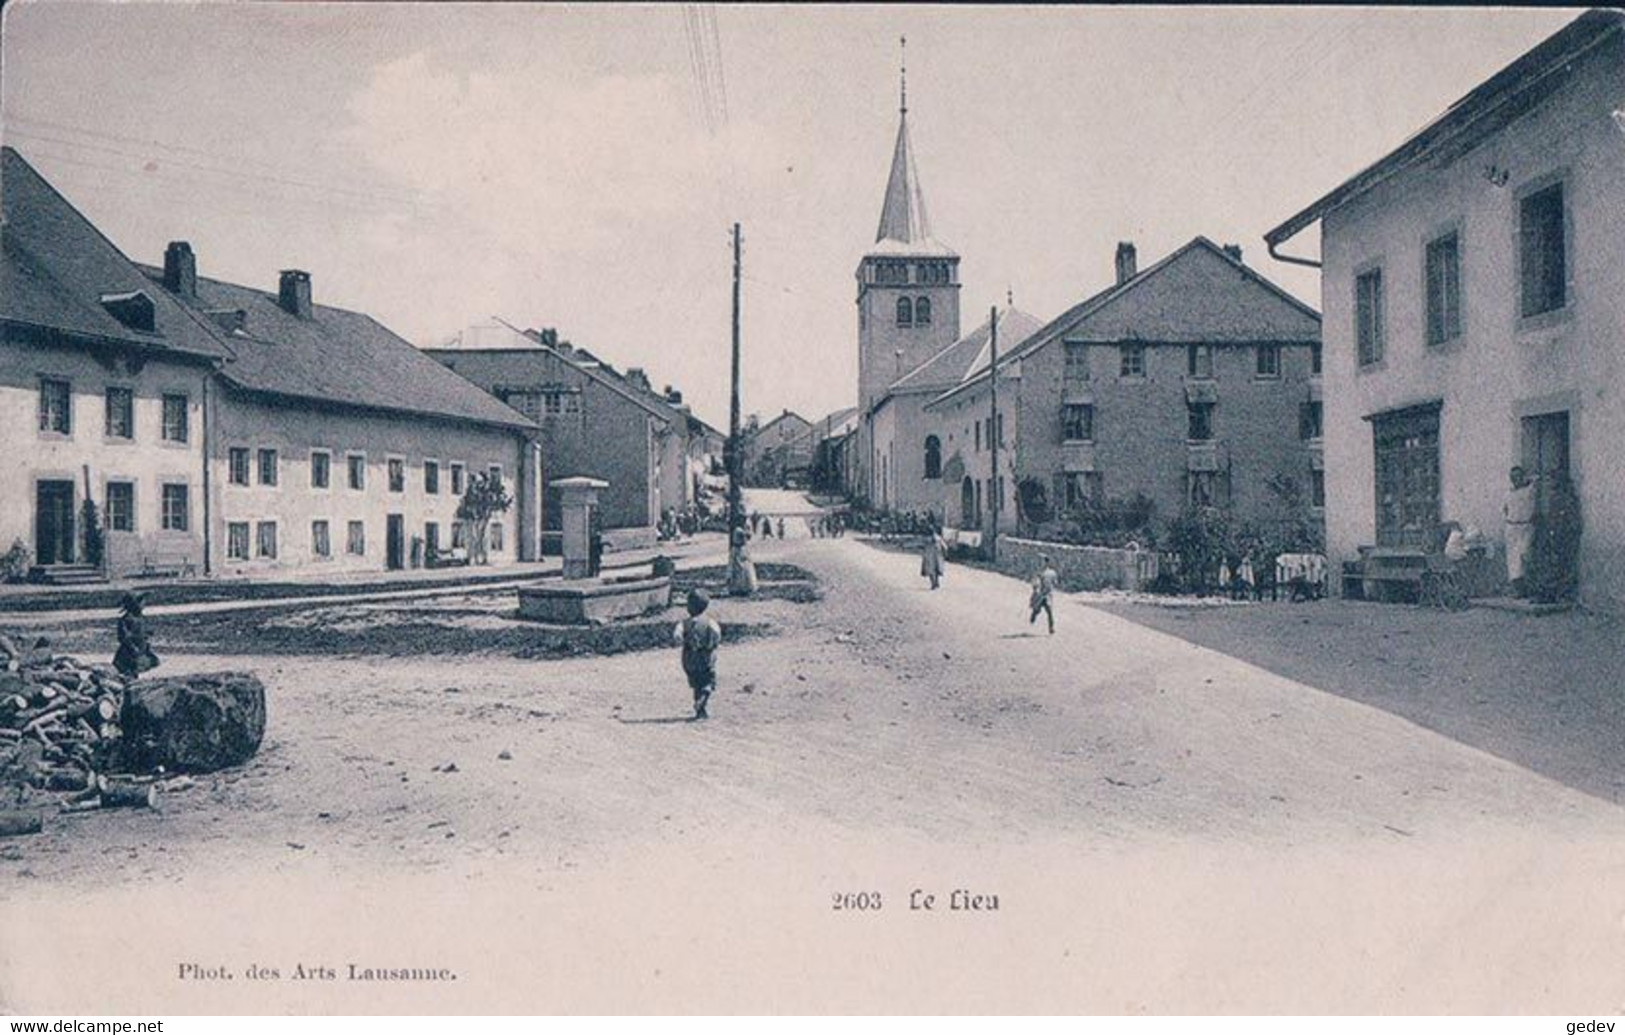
[193, 723]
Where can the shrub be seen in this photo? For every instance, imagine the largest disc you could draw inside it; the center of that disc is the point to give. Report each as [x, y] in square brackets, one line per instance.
[15, 562]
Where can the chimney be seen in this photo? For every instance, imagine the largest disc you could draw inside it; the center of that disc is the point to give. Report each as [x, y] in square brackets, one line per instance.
[293, 293]
[180, 269]
[1125, 261]
[673, 396]
[1234, 251]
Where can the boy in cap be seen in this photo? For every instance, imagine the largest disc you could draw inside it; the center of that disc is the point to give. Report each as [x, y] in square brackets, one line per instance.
[1042, 598]
[700, 636]
[135, 654]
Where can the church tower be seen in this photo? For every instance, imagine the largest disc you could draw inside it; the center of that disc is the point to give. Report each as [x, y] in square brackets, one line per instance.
[908, 282]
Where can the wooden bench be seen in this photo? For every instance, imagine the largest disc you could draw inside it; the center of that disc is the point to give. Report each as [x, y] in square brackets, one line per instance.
[170, 566]
[1384, 568]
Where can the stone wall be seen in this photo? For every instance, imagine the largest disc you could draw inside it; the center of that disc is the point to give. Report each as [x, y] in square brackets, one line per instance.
[1080, 567]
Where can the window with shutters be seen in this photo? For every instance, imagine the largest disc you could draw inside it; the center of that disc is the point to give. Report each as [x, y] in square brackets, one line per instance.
[265, 540]
[1443, 272]
[120, 413]
[1542, 251]
[321, 469]
[1077, 361]
[1368, 317]
[1131, 361]
[177, 419]
[1077, 422]
[237, 541]
[121, 506]
[237, 465]
[268, 467]
[55, 406]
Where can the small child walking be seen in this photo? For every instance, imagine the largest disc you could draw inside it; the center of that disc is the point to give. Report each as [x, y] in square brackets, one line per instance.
[135, 654]
[1042, 599]
[700, 636]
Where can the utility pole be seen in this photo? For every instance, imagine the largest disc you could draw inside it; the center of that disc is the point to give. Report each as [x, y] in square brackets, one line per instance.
[994, 429]
[741, 572]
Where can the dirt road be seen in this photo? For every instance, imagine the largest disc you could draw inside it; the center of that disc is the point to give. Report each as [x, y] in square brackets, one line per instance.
[1164, 828]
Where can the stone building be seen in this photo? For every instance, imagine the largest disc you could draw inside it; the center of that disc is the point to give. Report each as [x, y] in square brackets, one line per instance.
[1473, 284]
[594, 423]
[914, 447]
[224, 430]
[1194, 381]
[907, 302]
[103, 382]
[770, 450]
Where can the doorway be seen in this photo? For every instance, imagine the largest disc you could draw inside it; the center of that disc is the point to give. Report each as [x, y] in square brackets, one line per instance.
[394, 542]
[1545, 454]
[53, 523]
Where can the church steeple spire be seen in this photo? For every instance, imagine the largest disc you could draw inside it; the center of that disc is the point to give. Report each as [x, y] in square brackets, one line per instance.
[902, 216]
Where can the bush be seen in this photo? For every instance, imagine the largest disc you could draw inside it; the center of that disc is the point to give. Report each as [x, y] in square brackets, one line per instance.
[1113, 522]
[1199, 540]
[15, 562]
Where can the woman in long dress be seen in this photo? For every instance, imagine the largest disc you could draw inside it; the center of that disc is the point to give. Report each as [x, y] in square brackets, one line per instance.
[931, 559]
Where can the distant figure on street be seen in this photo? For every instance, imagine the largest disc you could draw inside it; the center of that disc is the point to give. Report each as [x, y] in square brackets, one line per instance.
[931, 559]
[1043, 595]
[1519, 511]
[781, 528]
[700, 636]
[135, 654]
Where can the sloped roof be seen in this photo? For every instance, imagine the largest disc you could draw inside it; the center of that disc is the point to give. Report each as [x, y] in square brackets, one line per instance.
[1190, 316]
[950, 366]
[57, 268]
[1487, 108]
[590, 366]
[905, 229]
[340, 356]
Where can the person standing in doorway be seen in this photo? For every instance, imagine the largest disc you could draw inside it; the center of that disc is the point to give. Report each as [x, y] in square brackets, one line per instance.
[1519, 512]
[1043, 596]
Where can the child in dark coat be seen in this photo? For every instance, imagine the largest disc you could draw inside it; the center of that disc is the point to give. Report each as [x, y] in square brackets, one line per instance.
[135, 654]
[700, 636]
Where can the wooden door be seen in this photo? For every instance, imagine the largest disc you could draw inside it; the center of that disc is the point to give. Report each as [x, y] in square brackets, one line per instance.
[1545, 453]
[53, 523]
[394, 542]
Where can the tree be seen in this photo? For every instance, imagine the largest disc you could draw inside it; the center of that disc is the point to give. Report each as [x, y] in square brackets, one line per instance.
[485, 498]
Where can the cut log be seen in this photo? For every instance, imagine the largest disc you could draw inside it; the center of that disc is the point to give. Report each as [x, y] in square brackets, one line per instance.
[120, 795]
[107, 708]
[193, 723]
[13, 824]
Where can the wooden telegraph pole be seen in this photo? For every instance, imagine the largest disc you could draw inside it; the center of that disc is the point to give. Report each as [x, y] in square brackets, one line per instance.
[741, 573]
[993, 430]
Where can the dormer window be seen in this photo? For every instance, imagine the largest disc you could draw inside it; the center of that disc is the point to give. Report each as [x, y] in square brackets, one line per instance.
[133, 309]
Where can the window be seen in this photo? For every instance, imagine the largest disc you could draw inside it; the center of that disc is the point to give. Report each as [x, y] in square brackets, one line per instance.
[177, 419]
[1077, 361]
[431, 477]
[355, 543]
[1317, 488]
[978, 436]
[1368, 331]
[933, 457]
[321, 544]
[321, 469]
[457, 480]
[932, 272]
[1077, 422]
[497, 538]
[998, 429]
[1542, 258]
[922, 311]
[1132, 361]
[120, 413]
[237, 465]
[55, 406]
[891, 273]
[1267, 361]
[1199, 360]
[495, 471]
[397, 475]
[267, 467]
[357, 463]
[1199, 421]
[120, 506]
[905, 313]
[1314, 358]
[1443, 262]
[237, 541]
[1407, 476]
[265, 540]
[177, 516]
[1310, 416]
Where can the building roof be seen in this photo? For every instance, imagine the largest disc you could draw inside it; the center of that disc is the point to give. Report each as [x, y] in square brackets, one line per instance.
[577, 359]
[1185, 321]
[339, 356]
[58, 269]
[905, 229]
[1490, 106]
[951, 366]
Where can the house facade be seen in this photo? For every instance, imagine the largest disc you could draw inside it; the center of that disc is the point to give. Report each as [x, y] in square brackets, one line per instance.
[1473, 283]
[103, 384]
[592, 425]
[1192, 382]
[774, 448]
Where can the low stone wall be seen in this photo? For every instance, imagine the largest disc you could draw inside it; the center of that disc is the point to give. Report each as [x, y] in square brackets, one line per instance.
[1080, 567]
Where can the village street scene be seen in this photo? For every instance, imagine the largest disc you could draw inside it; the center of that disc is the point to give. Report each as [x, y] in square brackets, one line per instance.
[509, 577]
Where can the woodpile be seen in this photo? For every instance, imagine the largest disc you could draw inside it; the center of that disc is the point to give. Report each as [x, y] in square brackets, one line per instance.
[62, 737]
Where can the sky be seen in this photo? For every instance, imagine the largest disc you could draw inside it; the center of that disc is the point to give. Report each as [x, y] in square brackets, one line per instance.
[558, 166]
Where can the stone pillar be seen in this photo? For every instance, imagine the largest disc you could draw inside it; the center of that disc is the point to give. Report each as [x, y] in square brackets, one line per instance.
[529, 501]
[577, 498]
